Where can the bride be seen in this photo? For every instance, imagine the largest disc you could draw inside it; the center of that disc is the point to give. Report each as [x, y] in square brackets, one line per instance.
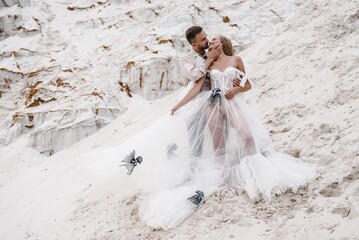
[211, 140]
[241, 145]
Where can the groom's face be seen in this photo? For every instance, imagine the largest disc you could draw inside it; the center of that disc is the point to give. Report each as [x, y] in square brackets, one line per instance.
[201, 41]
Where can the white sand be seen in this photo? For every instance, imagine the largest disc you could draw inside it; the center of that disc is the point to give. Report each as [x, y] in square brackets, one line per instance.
[305, 71]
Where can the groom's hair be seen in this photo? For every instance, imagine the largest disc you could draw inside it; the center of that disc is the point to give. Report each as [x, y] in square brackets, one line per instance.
[192, 32]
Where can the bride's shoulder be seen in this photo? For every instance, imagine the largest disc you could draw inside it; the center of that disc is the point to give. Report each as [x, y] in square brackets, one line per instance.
[239, 63]
[238, 59]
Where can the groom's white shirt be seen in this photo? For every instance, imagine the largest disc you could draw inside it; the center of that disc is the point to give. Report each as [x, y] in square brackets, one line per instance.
[192, 68]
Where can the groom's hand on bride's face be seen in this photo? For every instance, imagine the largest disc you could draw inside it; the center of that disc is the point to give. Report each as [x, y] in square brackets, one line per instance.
[214, 51]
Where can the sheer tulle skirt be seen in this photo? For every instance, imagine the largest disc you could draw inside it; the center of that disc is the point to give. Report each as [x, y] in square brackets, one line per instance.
[227, 130]
[211, 142]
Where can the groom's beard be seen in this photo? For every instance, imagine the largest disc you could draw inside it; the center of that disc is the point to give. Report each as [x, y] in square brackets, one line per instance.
[205, 47]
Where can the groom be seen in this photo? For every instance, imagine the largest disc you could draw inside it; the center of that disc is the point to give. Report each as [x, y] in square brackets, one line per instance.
[194, 66]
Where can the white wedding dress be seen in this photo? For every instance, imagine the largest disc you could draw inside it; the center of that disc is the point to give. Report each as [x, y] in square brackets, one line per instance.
[209, 143]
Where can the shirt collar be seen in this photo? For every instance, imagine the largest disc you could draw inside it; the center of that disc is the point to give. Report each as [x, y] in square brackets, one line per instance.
[197, 54]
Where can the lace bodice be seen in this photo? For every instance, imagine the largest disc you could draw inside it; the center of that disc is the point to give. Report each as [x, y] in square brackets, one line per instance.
[224, 79]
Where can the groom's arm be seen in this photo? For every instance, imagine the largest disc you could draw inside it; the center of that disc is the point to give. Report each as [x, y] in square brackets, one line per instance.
[192, 70]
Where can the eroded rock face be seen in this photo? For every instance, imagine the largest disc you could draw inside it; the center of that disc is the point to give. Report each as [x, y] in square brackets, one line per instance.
[67, 69]
[42, 90]
[164, 74]
[10, 3]
[55, 130]
[71, 127]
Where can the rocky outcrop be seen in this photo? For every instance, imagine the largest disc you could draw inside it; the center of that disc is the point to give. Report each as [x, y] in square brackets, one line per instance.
[10, 3]
[60, 61]
[153, 78]
[55, 130]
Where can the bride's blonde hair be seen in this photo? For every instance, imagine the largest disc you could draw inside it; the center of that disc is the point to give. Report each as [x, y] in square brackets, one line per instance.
[227, 46]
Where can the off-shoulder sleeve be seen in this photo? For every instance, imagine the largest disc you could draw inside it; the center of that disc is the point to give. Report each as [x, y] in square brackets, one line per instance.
[244, 78]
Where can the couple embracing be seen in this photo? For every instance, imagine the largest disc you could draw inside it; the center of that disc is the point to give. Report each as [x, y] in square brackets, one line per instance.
[212, 141]
[221, 143]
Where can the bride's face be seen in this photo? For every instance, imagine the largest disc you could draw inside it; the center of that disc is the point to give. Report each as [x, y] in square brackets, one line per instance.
[216, 40]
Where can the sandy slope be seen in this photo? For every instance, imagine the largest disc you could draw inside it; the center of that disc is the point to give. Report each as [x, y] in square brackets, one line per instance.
[306, 77]
[307, 88]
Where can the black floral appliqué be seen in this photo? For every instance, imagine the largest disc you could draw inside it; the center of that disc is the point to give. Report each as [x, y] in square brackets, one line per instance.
[215, 97]
[130, 162]
[171, 150]
[196, 199]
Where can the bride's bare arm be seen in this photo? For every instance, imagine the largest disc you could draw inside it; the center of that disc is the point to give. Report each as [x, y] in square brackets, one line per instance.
[237, 89]
[240, 66]
[190, 95]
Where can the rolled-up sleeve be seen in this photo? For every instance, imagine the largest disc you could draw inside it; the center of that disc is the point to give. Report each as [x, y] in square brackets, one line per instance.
[192, 69]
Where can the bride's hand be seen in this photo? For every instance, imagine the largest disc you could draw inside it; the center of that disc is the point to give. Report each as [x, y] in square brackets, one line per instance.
[230, 93]
[175, 108]
[236, 82]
